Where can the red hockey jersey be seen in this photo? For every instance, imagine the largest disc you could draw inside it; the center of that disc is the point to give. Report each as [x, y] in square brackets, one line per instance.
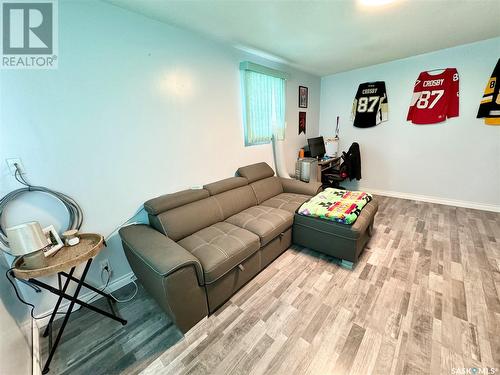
[435, 97]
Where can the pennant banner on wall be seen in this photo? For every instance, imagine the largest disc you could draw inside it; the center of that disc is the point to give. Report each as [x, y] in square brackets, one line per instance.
[302, 122]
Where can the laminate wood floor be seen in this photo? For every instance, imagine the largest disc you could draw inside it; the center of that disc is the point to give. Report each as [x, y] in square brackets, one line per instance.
[422, 300]
[93, 344]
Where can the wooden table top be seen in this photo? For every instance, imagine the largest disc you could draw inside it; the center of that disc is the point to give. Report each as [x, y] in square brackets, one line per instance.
[66, 258]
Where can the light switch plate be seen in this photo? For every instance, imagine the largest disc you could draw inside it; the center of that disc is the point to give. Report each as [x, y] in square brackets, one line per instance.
[12, 165]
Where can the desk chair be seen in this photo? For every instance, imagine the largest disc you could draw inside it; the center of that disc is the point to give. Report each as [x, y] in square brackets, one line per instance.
[349, 168]
[334, 177]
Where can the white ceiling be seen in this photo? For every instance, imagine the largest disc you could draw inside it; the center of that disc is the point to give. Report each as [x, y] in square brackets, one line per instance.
[325, 37]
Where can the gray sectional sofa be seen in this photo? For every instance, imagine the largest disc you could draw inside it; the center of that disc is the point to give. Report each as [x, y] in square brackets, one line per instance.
[203, 245]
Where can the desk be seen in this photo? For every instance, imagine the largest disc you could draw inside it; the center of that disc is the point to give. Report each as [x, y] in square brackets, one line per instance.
[323, 165]
[67, 257]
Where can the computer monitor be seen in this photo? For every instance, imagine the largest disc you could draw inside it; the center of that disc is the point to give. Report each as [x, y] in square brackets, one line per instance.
[316, 147]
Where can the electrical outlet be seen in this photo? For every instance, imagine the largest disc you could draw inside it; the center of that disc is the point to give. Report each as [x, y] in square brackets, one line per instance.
[105, 264]
[11, 163]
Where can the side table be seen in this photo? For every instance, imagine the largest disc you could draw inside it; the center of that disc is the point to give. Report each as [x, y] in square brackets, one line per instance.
[68, 257]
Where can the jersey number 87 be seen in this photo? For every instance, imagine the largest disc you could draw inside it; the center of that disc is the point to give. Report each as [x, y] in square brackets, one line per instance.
[367, 104]
[423, 99]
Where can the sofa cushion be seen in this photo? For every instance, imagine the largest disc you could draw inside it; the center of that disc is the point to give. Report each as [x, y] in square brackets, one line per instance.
[286, 201]
[266, 222]
[225, 185]
[236, 200]
[267, 188]
[255, 172]
[220, 247]
[183, 221]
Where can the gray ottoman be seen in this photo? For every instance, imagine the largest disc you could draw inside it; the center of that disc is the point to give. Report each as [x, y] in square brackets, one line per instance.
[338, 240]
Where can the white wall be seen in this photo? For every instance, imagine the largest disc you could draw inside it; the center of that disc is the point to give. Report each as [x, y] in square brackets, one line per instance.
[457, 161]
[136, 109]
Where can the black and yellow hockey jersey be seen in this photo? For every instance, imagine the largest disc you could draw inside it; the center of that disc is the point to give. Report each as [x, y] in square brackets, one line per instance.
[489, 109]
[370, 105]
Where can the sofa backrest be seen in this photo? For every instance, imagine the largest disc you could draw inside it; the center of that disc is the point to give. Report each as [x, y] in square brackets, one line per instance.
[233, 195]
[180, 214]
[262, 180]
[266, 188]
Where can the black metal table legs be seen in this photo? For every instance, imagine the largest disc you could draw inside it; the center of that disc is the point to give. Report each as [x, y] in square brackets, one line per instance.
[61, 292]
[56, 307]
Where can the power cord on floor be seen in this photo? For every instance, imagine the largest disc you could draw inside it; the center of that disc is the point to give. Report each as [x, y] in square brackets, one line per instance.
[108, 271]
[111, 294]
[102, 289]
[32, 312]
[127, 299]
[108, 279]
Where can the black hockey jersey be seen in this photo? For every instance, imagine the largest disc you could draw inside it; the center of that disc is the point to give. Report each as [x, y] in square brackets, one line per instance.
[370, 105]
[489, 109]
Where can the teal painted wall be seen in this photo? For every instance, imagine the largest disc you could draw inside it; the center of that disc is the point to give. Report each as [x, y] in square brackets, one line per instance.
[458, 160]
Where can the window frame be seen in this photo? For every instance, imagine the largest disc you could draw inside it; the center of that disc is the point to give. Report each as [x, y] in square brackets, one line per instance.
[246, 66]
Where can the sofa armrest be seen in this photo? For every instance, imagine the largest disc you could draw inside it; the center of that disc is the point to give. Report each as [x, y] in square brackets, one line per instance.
[160, 253]
[300, 187]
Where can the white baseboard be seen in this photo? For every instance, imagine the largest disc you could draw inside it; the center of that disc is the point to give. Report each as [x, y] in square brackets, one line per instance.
[113, 286]
[426, 198]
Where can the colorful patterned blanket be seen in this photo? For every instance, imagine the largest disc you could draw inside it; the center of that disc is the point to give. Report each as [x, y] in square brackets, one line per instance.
[342, 206]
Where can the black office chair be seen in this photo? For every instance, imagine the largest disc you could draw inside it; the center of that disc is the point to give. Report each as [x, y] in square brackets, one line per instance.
[349, 168]
[335, 176]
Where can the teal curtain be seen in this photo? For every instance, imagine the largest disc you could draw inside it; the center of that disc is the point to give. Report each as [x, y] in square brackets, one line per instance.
[263, 107]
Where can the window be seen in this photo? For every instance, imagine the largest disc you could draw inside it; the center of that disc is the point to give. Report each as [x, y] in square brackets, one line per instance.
[263, 94]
